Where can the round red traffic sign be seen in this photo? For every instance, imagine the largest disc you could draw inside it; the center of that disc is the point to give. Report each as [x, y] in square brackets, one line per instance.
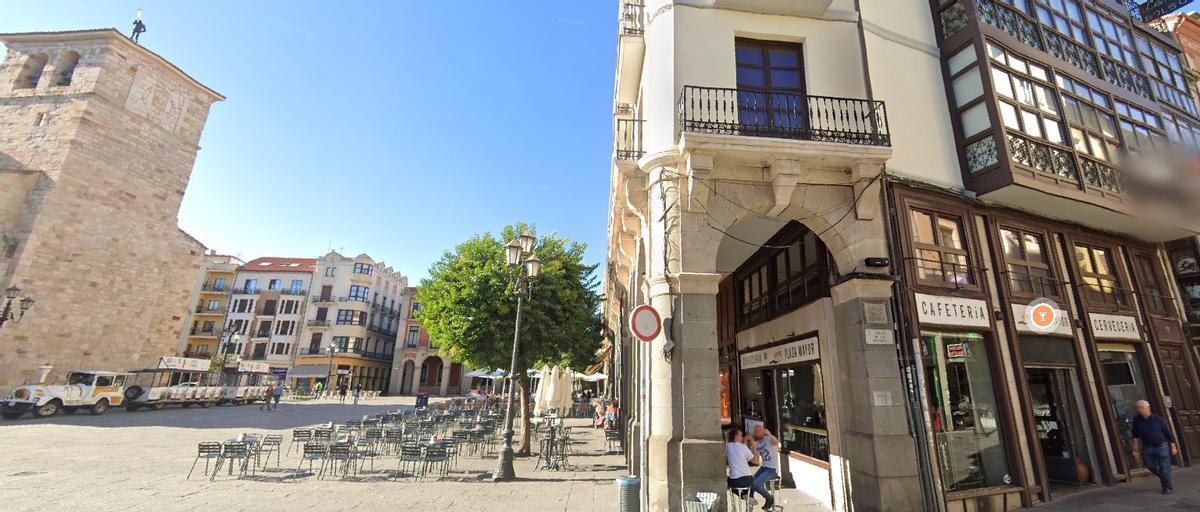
[645, 323]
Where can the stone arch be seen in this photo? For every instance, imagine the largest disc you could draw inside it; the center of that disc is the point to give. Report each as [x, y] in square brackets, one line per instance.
[738, 218]
[64, 68]
[31, 71]
[406, 376]
[431, 371]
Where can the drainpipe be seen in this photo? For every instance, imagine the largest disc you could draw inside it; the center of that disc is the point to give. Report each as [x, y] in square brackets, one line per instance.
[862, 47]
[910, 363]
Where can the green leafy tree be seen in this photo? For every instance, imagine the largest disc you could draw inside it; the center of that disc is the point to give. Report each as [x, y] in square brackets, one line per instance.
[469, 308]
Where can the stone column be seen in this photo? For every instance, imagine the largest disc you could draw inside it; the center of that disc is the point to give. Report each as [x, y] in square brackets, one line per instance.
[413, 378]
[878, 452]
[685, 449]
[445, 377]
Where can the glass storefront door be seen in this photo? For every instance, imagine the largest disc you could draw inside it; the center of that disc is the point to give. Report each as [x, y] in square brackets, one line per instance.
[801, 392]
[1059, 425]
[964, 412]
[1126, 385]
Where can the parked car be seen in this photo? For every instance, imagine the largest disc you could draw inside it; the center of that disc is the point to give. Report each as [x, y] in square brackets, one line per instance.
[95, 391]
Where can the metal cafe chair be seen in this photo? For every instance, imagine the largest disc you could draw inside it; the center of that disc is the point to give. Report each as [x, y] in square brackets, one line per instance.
[340, 458]
[270, 444]
[300, 436]
[310, 452]
[740, 499]
[410, 456]
[234, 452]
[435, 456]
[208, 451]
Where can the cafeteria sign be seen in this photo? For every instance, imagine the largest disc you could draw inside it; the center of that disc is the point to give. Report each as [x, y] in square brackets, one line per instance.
[788, 353]
[957, 311]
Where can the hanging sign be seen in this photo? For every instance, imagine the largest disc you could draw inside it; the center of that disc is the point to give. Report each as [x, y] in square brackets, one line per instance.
[1154, 9]
[645, 323]
[1114, 327]
[184, 363]
[957, 311]
[1042, 316]
[253, 367]
[788, 353]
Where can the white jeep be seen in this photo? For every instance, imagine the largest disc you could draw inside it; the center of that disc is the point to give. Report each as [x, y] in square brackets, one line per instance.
[94, 390]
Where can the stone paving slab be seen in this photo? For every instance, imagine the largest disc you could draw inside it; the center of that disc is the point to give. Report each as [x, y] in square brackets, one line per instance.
[138, 461]
[1143, 494]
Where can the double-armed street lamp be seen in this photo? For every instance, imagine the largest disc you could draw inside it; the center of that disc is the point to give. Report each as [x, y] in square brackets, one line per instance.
[24, 304]
[526, 265]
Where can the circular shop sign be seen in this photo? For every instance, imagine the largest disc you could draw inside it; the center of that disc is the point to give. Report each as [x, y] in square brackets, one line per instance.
[1041, 316]
[645, 323]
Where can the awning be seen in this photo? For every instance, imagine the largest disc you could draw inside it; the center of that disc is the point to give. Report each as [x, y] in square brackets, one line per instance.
[309, 371]
[600, 362]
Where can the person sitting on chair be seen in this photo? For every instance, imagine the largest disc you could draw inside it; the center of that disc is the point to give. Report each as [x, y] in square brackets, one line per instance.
[739, 455]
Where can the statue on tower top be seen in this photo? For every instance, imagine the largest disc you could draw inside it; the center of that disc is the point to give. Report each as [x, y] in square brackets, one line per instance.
[138, 27]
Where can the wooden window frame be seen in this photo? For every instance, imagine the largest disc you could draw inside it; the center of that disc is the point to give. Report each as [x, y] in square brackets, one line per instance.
[1121, 300]
[1052, 290]
[965, 252]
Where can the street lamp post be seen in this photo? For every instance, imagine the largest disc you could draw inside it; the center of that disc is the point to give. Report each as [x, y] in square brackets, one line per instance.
[520, 257]
[24, 304]
[332, 349]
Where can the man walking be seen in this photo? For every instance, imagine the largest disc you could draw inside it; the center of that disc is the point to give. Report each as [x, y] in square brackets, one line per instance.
[342, 392]
[278, 395]
[357, 393]
[319, 388]
[767, 446]
[267, 401]
[1154, 444]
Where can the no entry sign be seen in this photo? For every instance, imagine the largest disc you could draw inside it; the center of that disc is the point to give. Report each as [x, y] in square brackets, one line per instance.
[645, 323]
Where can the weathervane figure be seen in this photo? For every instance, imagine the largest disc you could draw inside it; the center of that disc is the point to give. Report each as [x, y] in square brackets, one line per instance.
[138, 27]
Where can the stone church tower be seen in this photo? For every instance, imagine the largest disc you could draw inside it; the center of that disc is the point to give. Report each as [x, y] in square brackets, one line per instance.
[97, 140]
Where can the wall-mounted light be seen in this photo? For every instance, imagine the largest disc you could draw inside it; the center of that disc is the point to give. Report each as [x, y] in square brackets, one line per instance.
[877, 262]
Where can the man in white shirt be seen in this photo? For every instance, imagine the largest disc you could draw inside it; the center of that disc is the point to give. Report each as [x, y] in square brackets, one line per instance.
[767, 446]
[740, 456]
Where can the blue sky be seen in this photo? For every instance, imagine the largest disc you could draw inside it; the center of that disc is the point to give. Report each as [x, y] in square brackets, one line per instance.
[394, 128]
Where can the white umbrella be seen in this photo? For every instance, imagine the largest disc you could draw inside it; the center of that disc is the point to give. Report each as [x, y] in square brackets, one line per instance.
[595, 377]
[550, 398]
[539, 398]
[562, 396]
[478, 373]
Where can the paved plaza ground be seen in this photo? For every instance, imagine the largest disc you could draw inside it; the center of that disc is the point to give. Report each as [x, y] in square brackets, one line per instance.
[1142, 494]
[138, 461]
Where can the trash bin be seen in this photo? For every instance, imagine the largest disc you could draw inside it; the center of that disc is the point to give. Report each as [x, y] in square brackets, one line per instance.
[628, 494]
[422, 399]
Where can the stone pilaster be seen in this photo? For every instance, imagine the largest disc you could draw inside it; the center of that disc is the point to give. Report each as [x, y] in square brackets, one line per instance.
[876, 443]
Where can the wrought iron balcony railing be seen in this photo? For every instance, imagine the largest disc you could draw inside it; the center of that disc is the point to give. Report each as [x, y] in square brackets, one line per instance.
[633, 19]
[628, 139]
[783, 116]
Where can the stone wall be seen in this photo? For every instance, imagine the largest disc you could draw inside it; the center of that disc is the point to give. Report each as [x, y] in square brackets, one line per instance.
[102, 254]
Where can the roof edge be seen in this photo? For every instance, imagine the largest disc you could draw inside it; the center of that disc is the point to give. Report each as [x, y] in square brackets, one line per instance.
[111, 34]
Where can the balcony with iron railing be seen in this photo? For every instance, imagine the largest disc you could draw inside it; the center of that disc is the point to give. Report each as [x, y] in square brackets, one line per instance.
[777, 115]
[628, 139]
[633, 18]
[318, 323]
[200, 332]
[213, 288]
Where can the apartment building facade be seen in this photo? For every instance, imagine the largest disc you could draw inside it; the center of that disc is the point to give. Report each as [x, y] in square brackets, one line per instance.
[846, 208]
[350, 327]
[417, 367]
[98, 136]
[267, 309]
[204, 322]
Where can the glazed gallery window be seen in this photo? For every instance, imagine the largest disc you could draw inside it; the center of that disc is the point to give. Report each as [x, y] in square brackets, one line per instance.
[782, 277]
[939, 248]
[1123, 378]
[363, 268]
[801, 405]
[1027, 263]
[1092, 126]
[963, 411]
[1141, 129]
[1166, 73]
[1028, 103]
[360, 293]
[1064, 16]
[1099, 276]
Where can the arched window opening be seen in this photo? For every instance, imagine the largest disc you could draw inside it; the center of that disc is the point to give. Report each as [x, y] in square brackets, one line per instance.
[65, 68]
[31, 72]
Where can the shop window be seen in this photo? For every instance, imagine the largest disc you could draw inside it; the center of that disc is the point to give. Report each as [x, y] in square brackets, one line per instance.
[964, 412]
[1100, 283]
[939, 248]
[802, 411]
[1027, 263]
[725, 395]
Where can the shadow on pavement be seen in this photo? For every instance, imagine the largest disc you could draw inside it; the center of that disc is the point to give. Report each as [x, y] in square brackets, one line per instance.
[289, 415]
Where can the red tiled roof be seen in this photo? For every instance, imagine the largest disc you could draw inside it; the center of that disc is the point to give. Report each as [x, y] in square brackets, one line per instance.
[273, 264]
